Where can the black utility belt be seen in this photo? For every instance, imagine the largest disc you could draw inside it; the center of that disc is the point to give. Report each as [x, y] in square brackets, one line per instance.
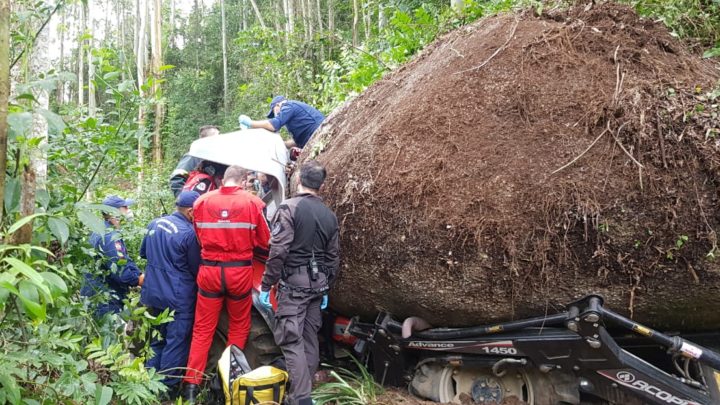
[289, 271]
[283, 286]
[240, 263]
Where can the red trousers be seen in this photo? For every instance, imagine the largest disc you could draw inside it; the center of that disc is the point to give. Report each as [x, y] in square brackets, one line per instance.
[237, 295]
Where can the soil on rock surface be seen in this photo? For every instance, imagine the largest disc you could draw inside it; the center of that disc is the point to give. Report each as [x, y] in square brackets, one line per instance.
[524, 161]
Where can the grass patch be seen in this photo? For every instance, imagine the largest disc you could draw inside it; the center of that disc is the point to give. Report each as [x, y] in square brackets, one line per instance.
[349, 388]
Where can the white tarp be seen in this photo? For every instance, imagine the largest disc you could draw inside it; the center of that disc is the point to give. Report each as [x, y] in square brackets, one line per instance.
[254, 149]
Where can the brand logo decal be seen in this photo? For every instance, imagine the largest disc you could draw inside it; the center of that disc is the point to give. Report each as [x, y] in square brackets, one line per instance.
[630, 380]
[626, 377]
[431, 345]
[224, 214]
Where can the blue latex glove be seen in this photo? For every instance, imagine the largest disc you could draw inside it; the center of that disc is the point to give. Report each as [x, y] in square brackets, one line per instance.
[244, 121]
[324, 303]
[265, 299]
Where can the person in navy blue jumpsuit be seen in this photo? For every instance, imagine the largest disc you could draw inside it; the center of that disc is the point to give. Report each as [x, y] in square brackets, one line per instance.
[118, 271]
[300, 119]
[173, 257]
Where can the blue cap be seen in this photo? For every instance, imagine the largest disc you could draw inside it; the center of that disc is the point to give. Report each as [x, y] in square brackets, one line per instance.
[186, 199]
[117, 202]
[273, 103]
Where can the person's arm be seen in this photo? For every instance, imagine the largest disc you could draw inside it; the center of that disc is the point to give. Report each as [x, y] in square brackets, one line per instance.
[333, 257]
[143, 245]
[282, 235]
[265, 124]
[261, 235]
[287, 112]
[193, 254]
[178, 177]
[122, 269]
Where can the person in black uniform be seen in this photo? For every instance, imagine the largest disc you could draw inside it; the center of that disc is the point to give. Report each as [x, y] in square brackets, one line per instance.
[304, 262]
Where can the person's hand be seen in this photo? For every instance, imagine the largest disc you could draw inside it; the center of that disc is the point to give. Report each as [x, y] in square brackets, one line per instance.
[141, 279]
[245, 121]
[265, 299]
[324, 303]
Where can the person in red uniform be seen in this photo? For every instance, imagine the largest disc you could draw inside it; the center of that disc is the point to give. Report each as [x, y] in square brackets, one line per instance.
[232, 230]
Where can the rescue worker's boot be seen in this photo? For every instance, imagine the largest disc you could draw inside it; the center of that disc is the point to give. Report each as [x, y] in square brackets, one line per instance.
[306, 401]
[190, 392]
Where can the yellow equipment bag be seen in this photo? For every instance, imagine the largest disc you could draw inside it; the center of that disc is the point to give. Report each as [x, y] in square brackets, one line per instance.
[244, 386]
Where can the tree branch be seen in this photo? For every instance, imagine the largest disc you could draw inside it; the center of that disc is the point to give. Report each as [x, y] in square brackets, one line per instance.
[42, 27]
[102, 159]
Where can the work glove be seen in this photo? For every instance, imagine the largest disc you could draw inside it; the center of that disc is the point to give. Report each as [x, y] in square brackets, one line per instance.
[265, 299]
[244, 121]
[324, 303]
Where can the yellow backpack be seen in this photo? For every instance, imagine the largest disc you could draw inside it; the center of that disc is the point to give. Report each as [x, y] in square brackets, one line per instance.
[244, 386]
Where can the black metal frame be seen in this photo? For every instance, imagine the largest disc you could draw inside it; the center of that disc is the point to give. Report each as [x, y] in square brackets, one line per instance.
[575, 341]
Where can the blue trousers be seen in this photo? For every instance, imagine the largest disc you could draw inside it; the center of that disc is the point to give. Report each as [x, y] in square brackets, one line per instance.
[171, 350]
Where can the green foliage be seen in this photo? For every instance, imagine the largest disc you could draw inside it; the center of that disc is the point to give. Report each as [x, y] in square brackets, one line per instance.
[694, 19]
[352, 388]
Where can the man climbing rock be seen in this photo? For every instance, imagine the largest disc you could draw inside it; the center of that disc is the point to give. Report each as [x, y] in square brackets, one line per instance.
[303, 262]
[173, 257]
[300, 119]
[232, 230]
[118, 271]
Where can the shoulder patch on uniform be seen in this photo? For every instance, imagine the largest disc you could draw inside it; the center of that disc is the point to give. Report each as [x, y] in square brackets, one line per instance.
[277, 228]
[119, 249]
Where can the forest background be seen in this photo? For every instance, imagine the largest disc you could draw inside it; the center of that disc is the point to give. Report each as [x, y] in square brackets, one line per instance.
[104, 96]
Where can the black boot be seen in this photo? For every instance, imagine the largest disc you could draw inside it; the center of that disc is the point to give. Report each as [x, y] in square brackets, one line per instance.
[190, 392]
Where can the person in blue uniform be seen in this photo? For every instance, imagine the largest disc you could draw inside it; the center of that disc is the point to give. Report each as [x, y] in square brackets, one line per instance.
[118, 272]
[173, 257]
[300, 119]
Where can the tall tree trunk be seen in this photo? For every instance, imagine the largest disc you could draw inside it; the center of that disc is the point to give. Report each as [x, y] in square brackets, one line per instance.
[4, 91]
[106, 32]
[257, 14]
[382, 17]
[59, 96]
[172, 22]
[34, 172]
[318, 8]
[224, 57]
[306, 25]
[277, 16]
[81, 53]
[290, 15]
[136, 37]
[309, 19]
[331, 25]
[140, 15]
[367, 19]
[196, 19]
[243, 14]
[92, 106]
[120, 15]
[356, 16]
[156, 34]
[39, 65]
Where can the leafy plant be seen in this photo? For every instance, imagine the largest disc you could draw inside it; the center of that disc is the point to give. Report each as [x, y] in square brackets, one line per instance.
[348, 388]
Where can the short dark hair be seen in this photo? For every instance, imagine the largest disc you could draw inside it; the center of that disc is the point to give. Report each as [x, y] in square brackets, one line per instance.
[236, 173]
[312, 174]
[206, 129]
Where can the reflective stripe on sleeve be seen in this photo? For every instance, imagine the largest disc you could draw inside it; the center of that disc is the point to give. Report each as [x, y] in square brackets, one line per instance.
[225, 225]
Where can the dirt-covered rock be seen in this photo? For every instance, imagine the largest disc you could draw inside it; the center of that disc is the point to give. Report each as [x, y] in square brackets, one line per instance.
[522, 162]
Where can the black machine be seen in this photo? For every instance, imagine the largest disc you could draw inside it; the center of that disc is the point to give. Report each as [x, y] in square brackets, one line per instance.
[585, 355]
